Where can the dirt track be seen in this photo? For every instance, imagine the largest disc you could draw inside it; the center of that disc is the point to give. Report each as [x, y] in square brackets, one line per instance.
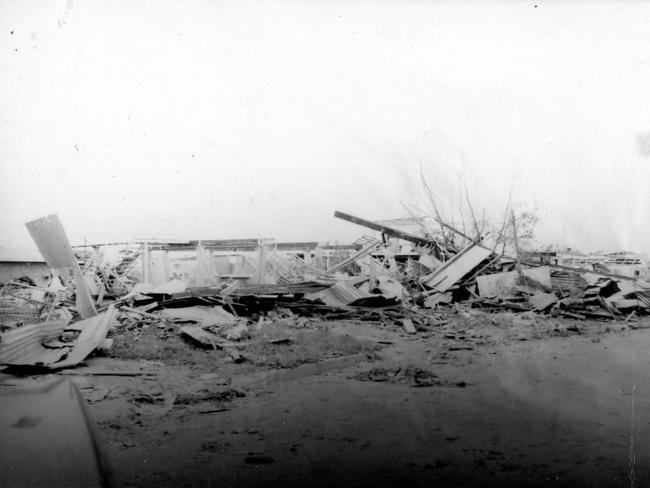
[555, 411]
[550, 412]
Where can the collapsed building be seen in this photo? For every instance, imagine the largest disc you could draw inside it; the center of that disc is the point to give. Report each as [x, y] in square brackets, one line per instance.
[407, 275]
[245, 300]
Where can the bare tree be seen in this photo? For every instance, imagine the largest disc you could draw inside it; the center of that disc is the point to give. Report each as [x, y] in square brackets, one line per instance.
[502, 236]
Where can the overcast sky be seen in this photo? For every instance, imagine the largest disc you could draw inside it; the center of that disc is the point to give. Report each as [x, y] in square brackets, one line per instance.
[260, 119]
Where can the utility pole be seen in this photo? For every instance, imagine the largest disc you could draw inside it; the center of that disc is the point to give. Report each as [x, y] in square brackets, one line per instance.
[514, 233]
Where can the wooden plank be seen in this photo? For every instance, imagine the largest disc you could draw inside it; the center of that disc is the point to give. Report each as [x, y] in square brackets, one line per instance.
[104, 372]
[453, 270]
[203, 337]
[363, 252]
[389, 231]
[408, 326]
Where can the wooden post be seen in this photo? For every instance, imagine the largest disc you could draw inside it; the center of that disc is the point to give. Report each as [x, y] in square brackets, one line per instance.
[261, 261]
[514, 233]
[145, 264]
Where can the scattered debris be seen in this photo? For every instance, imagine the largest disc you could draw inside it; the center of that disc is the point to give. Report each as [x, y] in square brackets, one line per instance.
[236, 333]
[259, 459]
[228, 302]
[103, 372]
[202, 336]
[227, 394]
[409, 376]
[203, 315]
[408, 326]
[542, 301]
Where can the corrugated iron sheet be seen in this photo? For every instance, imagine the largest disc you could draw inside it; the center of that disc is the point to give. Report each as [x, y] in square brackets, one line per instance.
[50, 238]
[93, 332]
[339, 295]
[24, 345]
[567, 281]
[644, 296]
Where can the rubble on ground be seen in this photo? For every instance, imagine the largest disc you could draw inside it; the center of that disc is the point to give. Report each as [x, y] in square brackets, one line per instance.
[220, 294]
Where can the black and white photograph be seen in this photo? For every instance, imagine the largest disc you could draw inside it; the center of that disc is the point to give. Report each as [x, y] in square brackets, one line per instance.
[345, 243]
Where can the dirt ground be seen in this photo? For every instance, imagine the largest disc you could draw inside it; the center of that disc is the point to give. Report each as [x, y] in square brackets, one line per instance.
[483, 400]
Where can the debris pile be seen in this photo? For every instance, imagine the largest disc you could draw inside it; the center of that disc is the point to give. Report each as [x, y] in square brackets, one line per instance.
[220, 294]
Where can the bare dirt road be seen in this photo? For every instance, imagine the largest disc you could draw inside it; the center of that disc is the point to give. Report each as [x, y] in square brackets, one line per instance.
[564, 409]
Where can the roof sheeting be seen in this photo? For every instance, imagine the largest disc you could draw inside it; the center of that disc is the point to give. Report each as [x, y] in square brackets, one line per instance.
[567, 281]
[339, 295]
[24, 345]
[93, 332]
[50, 238]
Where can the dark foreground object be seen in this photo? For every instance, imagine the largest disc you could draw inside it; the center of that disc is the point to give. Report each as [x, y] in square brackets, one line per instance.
[47, 439]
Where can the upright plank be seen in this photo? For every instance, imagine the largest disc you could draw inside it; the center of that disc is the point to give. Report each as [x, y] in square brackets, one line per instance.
[50, 238]
[453, 270]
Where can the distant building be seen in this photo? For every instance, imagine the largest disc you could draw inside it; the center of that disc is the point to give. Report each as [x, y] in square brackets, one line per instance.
[19, 263]
[623, 263]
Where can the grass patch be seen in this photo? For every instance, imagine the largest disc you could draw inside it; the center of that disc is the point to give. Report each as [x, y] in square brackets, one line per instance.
[304, 346]
[154, 344]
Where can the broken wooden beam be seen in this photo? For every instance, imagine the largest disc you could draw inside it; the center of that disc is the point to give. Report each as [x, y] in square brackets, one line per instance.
[355, 257]
[389, 231]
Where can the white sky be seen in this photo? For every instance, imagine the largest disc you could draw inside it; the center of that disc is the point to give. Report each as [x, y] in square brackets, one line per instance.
[259, 119]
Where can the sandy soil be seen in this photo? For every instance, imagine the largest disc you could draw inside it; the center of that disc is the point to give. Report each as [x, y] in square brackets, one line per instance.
[485, 400]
